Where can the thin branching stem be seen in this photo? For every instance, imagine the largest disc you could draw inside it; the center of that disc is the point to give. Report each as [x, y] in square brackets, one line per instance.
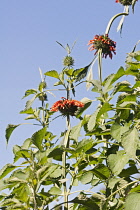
[122, 188]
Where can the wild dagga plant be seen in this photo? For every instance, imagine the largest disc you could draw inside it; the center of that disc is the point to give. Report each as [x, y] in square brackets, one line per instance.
[101, 151]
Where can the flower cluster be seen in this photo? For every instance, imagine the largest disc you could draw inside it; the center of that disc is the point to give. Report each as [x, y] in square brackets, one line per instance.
[125, 2]
[68, 61]
[103, 42]
[66, 107]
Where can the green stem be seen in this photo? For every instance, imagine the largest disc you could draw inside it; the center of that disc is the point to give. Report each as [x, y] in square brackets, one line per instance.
[100, 65]
[111, 21]
[66, 144]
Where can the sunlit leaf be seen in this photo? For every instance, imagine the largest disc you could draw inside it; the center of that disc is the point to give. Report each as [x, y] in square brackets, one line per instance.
[92, 120]
[52, 73]
[104, 109]
[69, 72]
[108, 83]
[30, 102]
[84, 145]
[118, 75]
[38, 137]
[58, 83]
[137, 84]
[27, 111]
[97, 86]
[29, 92]
[123, 86]
[55, 191]
[130, 141]
[117, 161]
[113, 181]
[117, 131]
[75, 132]
[57, 173]
[132, 201]
[86, 177]
[6, 170]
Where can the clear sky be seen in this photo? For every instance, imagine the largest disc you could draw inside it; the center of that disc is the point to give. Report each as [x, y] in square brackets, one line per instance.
[29, 30]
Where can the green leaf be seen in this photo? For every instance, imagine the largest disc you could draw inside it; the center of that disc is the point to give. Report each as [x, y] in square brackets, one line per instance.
[9, 131]
[117, 161]
[23, 153]
[3, 185]
[112, 182]
[87, 102]
[84, 145]
[123, 86]
[38, 137]
[129, 171]
[55, 191]
[132, 201]
[92, 120]
[80, 73]
[108, 83]
[131, 71]
[86, 177]
[118, 75]
[134, 66]
[56, 154]
[75, 132]
[30, 102]
[137, 84]
[95, 181]
[117, 131]
[27, 111]
[9, 202]
[86, 203]
[69, 72]
[130, 141]
[6, 170]
[29, 92]
[135, 189]
[104, 109]
[101, 171]
[58, 83]
[52, 73]
[61, 45]
[26, 144]
[57, 173]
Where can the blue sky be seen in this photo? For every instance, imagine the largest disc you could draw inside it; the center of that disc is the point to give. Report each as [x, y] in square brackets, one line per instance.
[28, 35]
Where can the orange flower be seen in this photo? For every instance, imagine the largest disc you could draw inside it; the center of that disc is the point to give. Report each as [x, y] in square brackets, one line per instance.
[66, 106]
[103, 42]
[125, 2]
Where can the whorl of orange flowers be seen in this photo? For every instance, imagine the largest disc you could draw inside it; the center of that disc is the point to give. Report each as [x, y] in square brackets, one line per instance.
[103, 42]
[66, 106]
[125, 2]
